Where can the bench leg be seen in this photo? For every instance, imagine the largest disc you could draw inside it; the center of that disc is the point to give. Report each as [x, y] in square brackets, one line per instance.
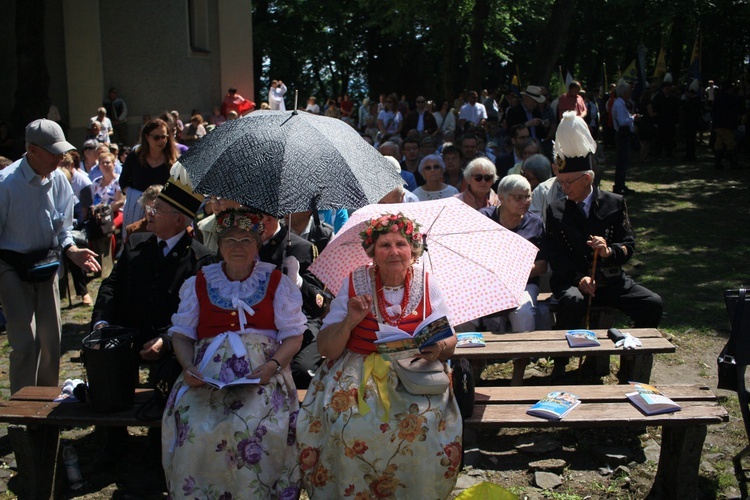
[679, 462]
[36, 449]
[635, 367]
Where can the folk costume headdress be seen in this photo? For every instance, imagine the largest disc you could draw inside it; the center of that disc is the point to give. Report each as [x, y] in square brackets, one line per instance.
[574, 146]
[241, 218]
[391, 223]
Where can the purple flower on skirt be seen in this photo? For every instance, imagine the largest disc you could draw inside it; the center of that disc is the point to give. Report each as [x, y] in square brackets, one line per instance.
[277, 400]
[225, 496]
[183, 431]
[260, 432]
[233, 406]
[250, 450]
[291, 436]
[217, 358]
[289, 493]
[222, 445]
[189, 486]
[234, 368]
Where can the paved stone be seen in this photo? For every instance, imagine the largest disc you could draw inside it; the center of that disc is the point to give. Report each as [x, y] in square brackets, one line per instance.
[547, 480]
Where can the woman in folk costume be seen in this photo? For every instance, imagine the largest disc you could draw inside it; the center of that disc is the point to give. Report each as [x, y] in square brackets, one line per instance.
[238, 319]
[361, 433]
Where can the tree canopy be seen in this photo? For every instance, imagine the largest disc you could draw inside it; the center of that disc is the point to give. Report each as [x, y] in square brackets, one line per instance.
[439, 48]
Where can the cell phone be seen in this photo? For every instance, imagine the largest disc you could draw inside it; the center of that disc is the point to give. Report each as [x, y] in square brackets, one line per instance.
[615, 335]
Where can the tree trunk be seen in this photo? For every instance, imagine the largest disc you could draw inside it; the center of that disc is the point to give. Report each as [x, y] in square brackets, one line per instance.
[32, 93]
[552, 42]
[479, 16]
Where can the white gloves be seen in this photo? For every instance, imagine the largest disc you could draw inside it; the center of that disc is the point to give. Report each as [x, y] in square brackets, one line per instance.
[290, 267]
[629, 342]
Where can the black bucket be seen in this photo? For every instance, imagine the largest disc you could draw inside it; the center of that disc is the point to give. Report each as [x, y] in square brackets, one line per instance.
[108, 358]
[739, 318]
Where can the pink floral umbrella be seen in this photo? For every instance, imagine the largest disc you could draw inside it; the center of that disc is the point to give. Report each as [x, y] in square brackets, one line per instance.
[481, 267]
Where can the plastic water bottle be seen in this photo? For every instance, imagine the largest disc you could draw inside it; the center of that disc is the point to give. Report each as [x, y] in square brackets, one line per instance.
[73, 470]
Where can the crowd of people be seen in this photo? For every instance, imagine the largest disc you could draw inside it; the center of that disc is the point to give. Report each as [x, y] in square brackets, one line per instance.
[224, 291]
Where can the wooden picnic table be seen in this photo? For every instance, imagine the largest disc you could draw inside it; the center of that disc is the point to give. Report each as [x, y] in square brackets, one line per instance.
[635, 364]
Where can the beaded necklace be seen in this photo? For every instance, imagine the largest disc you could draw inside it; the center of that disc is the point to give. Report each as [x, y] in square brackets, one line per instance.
[383, 304]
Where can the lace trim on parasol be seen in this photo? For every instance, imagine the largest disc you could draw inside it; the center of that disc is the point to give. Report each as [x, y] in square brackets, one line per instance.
[361, 281]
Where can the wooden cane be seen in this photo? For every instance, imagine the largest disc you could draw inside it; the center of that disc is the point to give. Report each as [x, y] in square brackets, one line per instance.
[591, 297]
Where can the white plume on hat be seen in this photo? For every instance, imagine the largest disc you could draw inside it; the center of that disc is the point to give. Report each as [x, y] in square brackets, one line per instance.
[178, 172]
[573, 137]
[668, 78]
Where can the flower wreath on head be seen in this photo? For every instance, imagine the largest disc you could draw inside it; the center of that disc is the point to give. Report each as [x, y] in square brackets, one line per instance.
[391, 223]
[242, 218]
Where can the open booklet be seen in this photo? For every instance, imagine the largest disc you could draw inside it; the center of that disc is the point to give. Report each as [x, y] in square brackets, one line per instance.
[220, 385]
[394, 343]
[650, 400]
[554, 405]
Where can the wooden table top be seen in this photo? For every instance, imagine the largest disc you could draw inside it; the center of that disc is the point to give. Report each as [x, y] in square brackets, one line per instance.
[552, 343]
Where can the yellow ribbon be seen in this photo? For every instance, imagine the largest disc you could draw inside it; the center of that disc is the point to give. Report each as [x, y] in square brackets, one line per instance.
[377, 367]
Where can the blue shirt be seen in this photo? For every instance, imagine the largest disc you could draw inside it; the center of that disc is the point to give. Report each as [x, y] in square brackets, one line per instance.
[35, 213]
[410, 182]
[621, 116]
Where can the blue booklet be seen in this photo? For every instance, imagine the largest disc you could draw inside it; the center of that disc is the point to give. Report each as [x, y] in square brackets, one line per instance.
[470, 339]
[581, 338]
[554, 405]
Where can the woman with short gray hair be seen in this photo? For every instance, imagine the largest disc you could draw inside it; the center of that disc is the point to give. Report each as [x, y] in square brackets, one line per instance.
[479, 175]
[432, 169]
[513, 214]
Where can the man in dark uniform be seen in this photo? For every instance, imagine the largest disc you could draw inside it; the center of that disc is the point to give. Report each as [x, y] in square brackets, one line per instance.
[586, 221]
[143, 290]
[293, 256]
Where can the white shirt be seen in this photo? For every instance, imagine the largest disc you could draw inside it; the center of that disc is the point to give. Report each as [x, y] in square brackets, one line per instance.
[276, 97]
[473, 114]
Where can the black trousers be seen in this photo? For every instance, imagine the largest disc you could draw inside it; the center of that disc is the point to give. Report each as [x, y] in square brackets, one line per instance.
[642, 305]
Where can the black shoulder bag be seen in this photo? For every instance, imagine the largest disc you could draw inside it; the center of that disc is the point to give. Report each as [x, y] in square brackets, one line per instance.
[727, 360]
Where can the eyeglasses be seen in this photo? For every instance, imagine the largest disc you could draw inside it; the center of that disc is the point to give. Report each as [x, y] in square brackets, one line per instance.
[485, 178]
[518, 198]
[237, 242]
[432, 167]
[156, 211]
[569, 183]
[158, 137]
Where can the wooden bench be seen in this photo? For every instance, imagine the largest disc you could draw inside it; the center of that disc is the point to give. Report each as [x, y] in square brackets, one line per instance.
[683, 432]
[635, 364]
[35, 421]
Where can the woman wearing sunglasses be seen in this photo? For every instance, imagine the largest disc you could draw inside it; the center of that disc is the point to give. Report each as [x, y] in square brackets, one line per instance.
[479, 176]
[149, 165]
[432, 169]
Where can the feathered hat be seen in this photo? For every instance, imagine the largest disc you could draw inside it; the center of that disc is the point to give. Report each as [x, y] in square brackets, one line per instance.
[573, 144]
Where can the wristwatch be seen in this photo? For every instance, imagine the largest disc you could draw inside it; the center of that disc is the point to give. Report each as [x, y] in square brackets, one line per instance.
[278, 365]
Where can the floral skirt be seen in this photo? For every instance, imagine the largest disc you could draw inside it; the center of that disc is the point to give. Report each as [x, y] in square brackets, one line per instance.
[413, 453]
[236, 442]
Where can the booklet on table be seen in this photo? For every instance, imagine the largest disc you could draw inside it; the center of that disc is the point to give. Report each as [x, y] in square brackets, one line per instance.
[394, 343]
[650, 400]
[470, 339]
[581, 338]
[554, 405]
